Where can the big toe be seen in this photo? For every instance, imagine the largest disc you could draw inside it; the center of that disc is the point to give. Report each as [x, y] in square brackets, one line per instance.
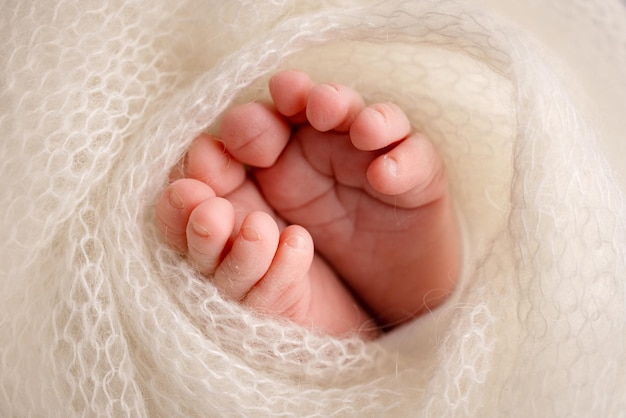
[255, 134]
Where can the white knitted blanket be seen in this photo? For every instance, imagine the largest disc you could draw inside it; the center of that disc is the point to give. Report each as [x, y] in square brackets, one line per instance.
[98, 99]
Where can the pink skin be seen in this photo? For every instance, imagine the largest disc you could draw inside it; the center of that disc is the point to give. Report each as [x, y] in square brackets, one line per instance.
[328, 169]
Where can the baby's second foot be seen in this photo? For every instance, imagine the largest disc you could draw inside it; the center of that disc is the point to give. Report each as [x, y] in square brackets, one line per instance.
[218, 218]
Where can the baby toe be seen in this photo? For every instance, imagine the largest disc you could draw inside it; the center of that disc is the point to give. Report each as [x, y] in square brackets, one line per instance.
[208, 161]
[255, 134]
[174, 207]
[411, 174]
[249, 257]
[378, 126]
[208, 231]
[333, 107]
[285, 290]
[290, 91]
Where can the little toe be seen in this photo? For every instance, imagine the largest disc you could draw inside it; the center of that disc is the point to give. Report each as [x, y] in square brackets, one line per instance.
[249, 257]
[409, 175]
[378, 126]
[333, 107]
[255, 134]
[285, 290]
[209, 229]
[290, 91]
[209, 162]
[174, 208]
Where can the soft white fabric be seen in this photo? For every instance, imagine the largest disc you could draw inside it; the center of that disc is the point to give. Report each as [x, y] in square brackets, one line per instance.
[98, 99]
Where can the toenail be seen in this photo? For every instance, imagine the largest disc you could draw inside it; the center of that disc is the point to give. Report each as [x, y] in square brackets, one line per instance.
[295, 241]
[333, 86]
[250, 233]
[199, 229]
[176, 200]
[391, 165]
[379, 114]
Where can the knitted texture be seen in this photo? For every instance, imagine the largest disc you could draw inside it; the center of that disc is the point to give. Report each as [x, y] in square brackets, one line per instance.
[99, 99]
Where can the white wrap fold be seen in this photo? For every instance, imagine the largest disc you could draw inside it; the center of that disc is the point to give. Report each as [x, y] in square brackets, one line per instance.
[98, 99]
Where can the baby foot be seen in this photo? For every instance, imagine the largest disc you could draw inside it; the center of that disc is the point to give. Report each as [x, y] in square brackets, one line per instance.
[372, 194]
[218, 218]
